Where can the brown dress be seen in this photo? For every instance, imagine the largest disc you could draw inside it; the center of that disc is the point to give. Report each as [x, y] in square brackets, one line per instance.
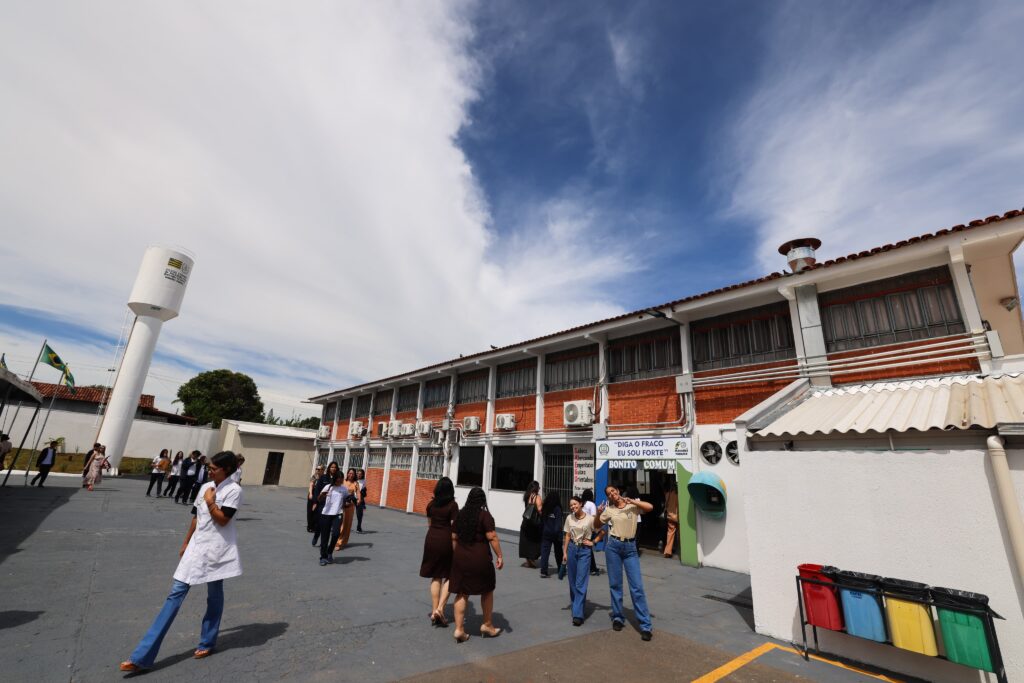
[472, 569]
[437, 548]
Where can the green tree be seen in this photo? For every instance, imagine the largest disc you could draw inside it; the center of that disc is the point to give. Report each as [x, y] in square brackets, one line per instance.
[221, 394]
[303, 422]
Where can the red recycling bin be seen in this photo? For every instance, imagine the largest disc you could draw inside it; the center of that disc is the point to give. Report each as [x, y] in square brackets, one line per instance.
[820, 602]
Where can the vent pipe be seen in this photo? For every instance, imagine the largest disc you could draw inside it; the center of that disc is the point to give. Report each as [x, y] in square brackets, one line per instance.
[800, 253]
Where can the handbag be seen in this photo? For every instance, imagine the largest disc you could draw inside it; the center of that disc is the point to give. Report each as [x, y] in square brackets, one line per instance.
[530, 514]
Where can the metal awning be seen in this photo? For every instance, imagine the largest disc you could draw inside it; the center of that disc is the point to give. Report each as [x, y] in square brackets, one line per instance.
[958, 402]
[16, 389]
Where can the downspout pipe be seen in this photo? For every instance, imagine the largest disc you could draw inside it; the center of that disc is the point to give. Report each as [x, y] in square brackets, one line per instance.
[1008, 501]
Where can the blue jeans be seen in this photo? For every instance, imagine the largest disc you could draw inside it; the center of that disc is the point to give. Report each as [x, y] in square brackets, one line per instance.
[621, 555]
[578, 573]
[547, 542]
[149, 646]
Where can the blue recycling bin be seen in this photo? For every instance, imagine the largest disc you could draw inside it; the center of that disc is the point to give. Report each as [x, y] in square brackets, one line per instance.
[862, 612]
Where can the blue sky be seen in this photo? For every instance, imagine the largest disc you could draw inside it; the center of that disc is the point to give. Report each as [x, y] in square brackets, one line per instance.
[373, 187]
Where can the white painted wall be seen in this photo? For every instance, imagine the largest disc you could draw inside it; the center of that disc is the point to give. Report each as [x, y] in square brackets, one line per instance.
[722, 542]
[146, 440]
[924, 516]
[505, 506]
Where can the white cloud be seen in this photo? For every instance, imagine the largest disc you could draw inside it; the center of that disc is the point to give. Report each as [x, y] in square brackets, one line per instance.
[306, 156]
[862, 139]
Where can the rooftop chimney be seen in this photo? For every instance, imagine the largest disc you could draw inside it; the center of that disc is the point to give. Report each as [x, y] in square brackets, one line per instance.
[800, 253]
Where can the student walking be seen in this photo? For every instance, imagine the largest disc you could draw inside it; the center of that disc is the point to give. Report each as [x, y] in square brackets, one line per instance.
[473, 538]
[47, 459]
[529, 528]
[209, 555]
[96, 466]
[348, 509]
[442, 511]
[620, 514]
[361, 505]
[579, 551]
[551, 531]
[311, 498]
[201, 476]
[671, 518]
[175, 475]
[330, 501]
[236, 476]
[88, 461]
[325, 479]
[160, 465]
[189, 471]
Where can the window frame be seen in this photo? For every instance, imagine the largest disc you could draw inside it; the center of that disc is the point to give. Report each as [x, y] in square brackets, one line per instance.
[576, 368]
[430, 464]
[436, 392]
[763, 334]
[462, 462]
[404, 404]
[516, 379]
[641, 348]
[478, 379]
[519, 455]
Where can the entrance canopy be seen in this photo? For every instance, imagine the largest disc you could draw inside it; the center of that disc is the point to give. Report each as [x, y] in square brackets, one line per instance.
[13, 388]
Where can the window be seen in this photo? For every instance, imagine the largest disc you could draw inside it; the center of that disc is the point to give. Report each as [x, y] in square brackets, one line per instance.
[571, 369]
[430, 464]
[435, 393]
[517, 379]
[363, 406]
[756, 335]
[917, 305]
[408, 398]
[401, 460]
[328, 413]
[382, 403]
[345, 409]
[321, 457]
[378, 456]
[355, 458]
[471, 466]
[512, 469]
[642, 356]
[471, 387]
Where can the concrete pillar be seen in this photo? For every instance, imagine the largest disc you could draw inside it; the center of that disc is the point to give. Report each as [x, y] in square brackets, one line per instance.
[811, 332]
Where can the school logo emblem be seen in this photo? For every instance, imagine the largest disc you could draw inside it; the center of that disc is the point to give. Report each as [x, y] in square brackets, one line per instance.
[603, 449]
[682, 449]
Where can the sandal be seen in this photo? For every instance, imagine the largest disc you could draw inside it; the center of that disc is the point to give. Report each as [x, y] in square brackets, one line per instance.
[492, 633]
[461, 638]
[440, 620]
[202, 654]
[128, 666]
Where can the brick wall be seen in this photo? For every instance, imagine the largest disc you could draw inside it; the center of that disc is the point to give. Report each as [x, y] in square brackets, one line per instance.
[374, 482]
[719, 405]
[523, 407]
[422, 494]
[341, 430]
[398, 489]
[435, 415]
[466, 409]
[646, 400]
[950, 367]
[553, 401]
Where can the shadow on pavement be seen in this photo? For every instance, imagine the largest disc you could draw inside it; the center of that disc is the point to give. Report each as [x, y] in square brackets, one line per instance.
[23, 509]
[16, 617]
[247, 635]
[350, 558]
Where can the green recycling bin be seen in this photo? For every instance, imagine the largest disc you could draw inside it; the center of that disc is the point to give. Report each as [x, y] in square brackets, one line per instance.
[964, 633]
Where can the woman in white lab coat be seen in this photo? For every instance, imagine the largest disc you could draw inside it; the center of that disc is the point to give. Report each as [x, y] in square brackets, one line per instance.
[209, 555]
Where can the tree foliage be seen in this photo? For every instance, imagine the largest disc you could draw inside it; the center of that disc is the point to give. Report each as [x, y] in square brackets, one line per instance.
[293, 421]
[221, 394]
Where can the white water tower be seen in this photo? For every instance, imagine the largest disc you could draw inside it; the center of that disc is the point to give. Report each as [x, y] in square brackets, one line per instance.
[155, 298]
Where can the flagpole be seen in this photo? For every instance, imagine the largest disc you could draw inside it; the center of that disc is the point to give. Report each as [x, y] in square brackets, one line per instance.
[30, 376]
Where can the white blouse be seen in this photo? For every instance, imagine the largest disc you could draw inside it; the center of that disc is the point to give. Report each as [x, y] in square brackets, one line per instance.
[212, 553]
[335, 497]
[176, 469]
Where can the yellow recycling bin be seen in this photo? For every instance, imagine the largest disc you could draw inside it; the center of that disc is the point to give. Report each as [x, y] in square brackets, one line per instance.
[910, 622]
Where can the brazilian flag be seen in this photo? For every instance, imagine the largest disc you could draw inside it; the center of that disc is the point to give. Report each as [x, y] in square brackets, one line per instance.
[68, 380]
[50, 357]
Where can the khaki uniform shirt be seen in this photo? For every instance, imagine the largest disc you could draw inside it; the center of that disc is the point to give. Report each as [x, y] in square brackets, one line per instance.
[579, 530]
[621, 520]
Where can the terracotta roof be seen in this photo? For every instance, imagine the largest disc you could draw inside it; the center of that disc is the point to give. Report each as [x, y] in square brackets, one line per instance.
[85, 394]
[749, 283]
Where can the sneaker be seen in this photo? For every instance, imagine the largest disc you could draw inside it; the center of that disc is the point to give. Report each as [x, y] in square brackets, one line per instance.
[596, 572]
[544, 576]
[616, 625]
[323, 561]
[330, 559]
[576, 621]
[646, 635]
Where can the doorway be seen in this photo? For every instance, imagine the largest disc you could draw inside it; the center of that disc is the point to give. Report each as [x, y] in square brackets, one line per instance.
[649, 486]
[272, 473]
[558, 472]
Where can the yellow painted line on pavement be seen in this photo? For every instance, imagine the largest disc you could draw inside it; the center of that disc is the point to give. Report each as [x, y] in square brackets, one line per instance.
[747, 657]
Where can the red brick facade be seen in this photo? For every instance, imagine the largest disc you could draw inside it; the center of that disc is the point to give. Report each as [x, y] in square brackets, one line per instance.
[466, 409]
[949, 367]
[422, 494]
[719, 405]
[374, 483]
[646, 400]
[398, 489]
[554, 400]
[435, 415]
[341, 430]
[523, 407]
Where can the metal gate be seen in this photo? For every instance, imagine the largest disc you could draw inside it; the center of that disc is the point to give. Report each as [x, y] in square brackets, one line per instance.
[558, 472]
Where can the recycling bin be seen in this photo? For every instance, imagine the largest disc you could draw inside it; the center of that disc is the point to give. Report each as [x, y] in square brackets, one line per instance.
[963, 633]
[821, 603]
[910, 621]
[862, 611]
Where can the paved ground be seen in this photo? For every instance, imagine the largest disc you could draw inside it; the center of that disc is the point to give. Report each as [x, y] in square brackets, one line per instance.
[85, 573]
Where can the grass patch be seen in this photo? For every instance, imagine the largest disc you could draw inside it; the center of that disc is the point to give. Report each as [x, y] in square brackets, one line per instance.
[72, 463]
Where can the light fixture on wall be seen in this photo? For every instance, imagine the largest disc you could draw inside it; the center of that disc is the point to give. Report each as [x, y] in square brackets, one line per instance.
[1009, 302]
[655, 313]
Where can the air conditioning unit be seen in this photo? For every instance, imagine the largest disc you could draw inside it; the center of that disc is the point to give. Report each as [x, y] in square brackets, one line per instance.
[324, 432]
[505, 421]
[471, 424]
[356, 429]
[446, 424]
[423, 427]
[578, 413]
[407, 429]
[395, 429]
[381, 430]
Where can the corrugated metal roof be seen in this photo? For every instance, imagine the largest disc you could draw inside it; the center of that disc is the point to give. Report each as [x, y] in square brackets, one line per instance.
[703, 295]
[959, 402]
